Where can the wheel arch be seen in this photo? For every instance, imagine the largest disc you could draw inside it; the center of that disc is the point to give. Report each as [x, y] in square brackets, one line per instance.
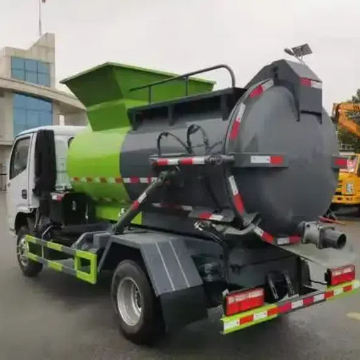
[23, 219]
[171, 271]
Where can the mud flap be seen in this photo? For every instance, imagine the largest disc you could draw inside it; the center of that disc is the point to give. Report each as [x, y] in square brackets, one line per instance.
[329, 258]
[173, 274]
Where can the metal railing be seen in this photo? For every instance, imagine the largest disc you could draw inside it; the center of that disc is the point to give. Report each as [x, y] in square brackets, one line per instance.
[185, 77]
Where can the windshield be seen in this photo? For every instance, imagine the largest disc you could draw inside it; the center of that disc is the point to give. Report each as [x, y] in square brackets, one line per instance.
[351, 164]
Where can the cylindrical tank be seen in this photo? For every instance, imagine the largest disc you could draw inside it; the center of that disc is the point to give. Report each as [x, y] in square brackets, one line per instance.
[282, 141]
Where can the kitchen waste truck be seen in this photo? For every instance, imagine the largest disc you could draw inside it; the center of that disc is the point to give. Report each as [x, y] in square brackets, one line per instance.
[193, 198]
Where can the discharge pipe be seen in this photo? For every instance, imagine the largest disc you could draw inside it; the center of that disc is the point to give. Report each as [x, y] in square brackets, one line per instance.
[322, 237]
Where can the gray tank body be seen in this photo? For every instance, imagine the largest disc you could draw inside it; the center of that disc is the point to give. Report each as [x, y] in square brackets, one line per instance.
[278, 115]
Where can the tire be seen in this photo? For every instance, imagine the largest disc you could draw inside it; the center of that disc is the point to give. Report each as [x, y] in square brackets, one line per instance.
[142, 324]
[28, 267]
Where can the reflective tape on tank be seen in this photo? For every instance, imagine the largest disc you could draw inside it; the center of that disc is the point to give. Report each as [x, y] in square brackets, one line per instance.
[267, 159]
[311, 83]
[254, 92]
[115, 180]
[237, 200]
[268, 312]
[139, 180]
[245, 160]
[236, 124]
[261, 88]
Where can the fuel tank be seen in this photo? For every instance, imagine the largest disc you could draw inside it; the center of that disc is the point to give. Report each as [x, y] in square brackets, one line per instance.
[280, 143]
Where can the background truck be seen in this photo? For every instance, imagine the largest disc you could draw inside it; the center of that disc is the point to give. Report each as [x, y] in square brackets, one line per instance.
[192, 198]
[348, 190]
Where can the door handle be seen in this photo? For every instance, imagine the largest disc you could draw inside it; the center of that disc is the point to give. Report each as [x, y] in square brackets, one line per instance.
[24, 194]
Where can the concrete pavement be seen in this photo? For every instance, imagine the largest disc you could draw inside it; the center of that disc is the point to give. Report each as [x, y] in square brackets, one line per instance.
[56, 317]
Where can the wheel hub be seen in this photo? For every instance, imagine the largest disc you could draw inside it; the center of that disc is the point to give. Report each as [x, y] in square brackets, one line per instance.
[22, 250]
[129, 301]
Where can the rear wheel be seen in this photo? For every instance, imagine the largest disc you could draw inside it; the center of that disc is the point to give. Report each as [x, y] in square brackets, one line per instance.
[137, 309]
[28, 267]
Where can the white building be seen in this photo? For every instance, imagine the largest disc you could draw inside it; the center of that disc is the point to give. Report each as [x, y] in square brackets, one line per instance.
[28, 95]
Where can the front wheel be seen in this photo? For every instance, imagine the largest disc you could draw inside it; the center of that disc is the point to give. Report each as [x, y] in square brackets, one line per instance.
[136, 307]
[28, 267]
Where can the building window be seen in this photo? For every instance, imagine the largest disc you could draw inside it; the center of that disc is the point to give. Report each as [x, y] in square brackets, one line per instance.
[33, 71]
[31, 112]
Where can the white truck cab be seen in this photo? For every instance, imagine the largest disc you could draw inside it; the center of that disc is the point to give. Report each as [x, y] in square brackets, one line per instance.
[21, 200]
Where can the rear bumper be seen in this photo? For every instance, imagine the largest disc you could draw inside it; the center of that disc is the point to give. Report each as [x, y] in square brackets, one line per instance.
[240, 321]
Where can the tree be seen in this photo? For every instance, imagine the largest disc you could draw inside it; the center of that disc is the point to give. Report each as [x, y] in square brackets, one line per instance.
[344, 136]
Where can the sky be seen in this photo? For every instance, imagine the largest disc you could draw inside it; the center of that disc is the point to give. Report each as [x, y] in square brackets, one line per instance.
[181, 36]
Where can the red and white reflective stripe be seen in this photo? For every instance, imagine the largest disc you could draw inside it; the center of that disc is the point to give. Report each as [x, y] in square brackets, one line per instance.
[175, 207]
[238, 202]
[139, 180]
[236, 125]
[115, 180]
[57, 197]
[267, 159]
[210, 216]
[195, 160]
[261, 88]
[103, 180]
[311, 83]
[264, 235]
[282, 308]
[288, 240]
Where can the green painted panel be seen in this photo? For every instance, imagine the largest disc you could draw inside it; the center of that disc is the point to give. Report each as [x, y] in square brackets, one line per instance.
[95, 155]
[106, 91]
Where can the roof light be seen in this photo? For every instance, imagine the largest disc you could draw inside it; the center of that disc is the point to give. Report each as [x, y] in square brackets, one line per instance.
[237, 302]
[340, 275]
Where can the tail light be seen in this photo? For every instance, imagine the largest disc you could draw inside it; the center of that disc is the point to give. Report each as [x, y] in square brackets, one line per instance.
[340, 275]
[240, 301]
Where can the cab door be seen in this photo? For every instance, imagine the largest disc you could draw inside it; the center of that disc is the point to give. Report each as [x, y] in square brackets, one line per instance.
[17, 195]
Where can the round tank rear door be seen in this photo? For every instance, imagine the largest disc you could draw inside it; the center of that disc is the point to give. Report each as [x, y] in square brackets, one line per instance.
[283, 167]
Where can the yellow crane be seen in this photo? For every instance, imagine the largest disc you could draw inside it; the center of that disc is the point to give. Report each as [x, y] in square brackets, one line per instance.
[348, 190]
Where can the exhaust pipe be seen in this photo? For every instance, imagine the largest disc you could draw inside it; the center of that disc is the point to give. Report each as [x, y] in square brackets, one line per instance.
[322, 237]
